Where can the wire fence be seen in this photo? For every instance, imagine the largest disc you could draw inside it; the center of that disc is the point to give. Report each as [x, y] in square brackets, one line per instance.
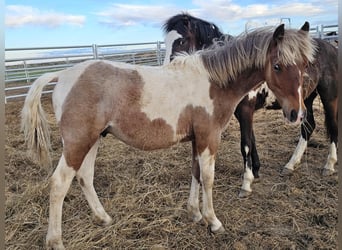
[24, 65]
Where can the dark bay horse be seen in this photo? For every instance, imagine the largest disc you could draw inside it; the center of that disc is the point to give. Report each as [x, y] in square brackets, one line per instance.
[190, 99]
[321, 79]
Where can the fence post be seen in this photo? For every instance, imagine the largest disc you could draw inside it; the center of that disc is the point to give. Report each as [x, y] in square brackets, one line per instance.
[26, 72]
[158, 53]
[95, 52]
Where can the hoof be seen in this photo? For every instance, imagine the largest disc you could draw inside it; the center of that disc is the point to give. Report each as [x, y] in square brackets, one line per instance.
[102, 222]
[257, 179]
[220, 230]
[328, 172]
[54, 245]
[244, 193]
[197, 218]
[286, 172]
[256, 174]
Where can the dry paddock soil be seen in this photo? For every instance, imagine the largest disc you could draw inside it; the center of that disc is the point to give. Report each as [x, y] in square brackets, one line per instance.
[146, 194]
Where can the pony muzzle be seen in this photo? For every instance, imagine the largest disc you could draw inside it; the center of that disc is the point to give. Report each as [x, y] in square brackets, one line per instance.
[295, 117]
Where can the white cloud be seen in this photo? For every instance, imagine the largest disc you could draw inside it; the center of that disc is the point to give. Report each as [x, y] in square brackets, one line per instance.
[230, 11]
[223, 12]
[129, 14]
[20, 15]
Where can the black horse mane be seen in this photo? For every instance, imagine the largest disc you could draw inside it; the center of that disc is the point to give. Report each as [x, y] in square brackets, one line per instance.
[184, 22]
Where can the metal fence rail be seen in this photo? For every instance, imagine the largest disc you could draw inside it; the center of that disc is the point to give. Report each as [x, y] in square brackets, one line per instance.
[24, 65]
[326, 32]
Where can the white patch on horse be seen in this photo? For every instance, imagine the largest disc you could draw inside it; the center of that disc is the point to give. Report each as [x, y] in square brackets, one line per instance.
[170, 37]
[248, 178]
[301, 108]
[297, 154]
[246, 149]
[163, 86]
[252, 94]
[270, 98]
[332, 158]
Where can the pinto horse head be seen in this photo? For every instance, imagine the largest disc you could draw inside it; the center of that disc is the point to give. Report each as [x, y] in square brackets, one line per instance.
[288, 57]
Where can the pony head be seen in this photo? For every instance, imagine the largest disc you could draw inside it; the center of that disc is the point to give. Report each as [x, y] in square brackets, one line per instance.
[186, 33]
[288, 56]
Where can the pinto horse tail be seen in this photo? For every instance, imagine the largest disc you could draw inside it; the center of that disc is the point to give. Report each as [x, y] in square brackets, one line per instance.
[34, 123]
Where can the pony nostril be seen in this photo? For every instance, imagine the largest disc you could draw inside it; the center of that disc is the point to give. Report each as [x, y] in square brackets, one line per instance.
[293, 115]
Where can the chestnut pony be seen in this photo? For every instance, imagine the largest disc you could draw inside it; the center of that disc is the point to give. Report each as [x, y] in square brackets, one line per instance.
[190, 99]
[188, 33]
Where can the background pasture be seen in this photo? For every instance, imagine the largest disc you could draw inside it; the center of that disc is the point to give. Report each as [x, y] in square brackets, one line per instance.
[146, 193]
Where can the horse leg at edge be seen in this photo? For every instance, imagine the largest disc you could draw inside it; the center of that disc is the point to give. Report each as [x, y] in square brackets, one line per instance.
[193, 202]
[85, 176]
[60, 182]
[332, 130]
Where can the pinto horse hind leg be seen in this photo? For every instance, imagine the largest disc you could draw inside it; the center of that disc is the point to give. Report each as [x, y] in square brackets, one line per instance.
[60, 183]
[85, 176]
[75, 148]
[307, 129]
[193, 202]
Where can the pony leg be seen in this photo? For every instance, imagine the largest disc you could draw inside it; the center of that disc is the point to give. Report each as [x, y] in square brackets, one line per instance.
[307, 129]
[332, 130]
[296, 157]
[244, 114]
[331, 161]
[60, 183]
[207, 169]
[255, 158]
[85, 176]
[248, 176]
[193, 202]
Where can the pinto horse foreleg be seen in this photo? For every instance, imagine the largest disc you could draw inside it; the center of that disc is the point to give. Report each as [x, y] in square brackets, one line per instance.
[60, 183]
[207, 171]
[85, 176]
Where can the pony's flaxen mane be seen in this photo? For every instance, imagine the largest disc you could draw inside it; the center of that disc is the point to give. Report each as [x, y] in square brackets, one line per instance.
[249, 50]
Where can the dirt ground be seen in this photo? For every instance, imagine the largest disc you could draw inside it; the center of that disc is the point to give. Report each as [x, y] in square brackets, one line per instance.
[146, 194]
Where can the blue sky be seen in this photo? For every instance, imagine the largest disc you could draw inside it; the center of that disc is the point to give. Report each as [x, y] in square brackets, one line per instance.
[38, 23]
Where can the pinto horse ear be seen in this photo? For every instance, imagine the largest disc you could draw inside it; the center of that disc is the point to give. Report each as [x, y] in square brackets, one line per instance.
[305, 27]
[279, 33]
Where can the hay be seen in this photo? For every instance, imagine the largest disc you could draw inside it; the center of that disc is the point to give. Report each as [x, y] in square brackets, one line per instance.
[146, 194]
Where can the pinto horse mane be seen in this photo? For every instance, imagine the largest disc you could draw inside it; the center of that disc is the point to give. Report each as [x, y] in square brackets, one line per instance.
[225, 60]
[183, 23]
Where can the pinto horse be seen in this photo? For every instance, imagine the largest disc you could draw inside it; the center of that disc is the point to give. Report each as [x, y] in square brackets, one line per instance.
[321, 79]
[190, 99]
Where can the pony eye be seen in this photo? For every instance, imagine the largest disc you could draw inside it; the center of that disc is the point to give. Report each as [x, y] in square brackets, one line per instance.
[276, 67]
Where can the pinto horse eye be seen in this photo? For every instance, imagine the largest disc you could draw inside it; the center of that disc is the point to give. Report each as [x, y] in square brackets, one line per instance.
[276, 67]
